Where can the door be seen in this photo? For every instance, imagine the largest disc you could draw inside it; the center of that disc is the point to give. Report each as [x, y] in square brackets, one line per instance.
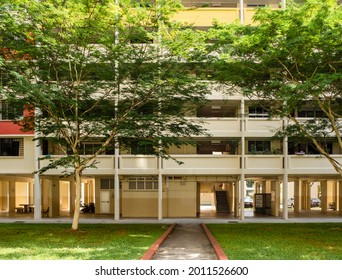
[105, 201]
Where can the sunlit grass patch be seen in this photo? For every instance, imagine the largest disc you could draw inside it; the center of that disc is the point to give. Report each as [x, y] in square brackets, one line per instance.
[309, 241]
[91, 242]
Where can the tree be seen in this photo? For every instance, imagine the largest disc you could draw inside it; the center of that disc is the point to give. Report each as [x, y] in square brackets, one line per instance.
[288, 59]
[93, 69]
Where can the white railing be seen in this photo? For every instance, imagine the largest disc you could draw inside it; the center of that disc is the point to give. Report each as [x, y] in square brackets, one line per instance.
[104, 165]
[185, 164]
[311, 164]
[129, 164]
[264, 164]
[202, 164]
[262, 127]
[16, 165]
[222, 127]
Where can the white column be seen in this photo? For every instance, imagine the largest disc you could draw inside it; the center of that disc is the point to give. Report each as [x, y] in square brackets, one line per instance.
[324, 196]
[37, 186]
[116, 183]
[236, 199]
[116, 142]
[285, 176]
[242, 175]
[160, 189]
[297, 196]
[275, 198]
[283, 4]
[242, 15]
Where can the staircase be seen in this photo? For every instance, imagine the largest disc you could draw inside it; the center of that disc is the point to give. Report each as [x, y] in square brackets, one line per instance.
[221, 202]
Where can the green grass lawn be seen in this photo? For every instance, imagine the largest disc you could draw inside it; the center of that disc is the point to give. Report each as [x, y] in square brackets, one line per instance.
[280, 241]
[91, 242]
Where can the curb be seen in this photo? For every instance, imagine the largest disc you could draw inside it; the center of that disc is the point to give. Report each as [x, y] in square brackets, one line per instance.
[152, 250]
[216, 246]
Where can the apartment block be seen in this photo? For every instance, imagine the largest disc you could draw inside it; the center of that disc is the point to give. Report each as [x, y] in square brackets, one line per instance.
[240, 159]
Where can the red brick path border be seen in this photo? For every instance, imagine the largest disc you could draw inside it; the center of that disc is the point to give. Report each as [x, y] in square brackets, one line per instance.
[216, 246]
[152, 250]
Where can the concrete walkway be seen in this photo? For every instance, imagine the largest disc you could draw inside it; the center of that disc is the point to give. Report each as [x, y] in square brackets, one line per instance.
[186, 242]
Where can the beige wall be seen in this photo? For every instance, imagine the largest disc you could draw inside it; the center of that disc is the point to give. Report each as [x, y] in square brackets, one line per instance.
[4, 192]
[179, 200]
[140, 204]
[182, 199]
[64, 190]
[21, 193]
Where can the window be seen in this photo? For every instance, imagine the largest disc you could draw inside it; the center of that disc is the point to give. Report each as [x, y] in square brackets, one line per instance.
[311, 114]
[143, 183]
[259, 147]
[141, 148]
[8, 112]
[218, 146]
[91, 148]
[108, 184]
[307, 148]
[11, 147]
[256, 5]
[257, 112]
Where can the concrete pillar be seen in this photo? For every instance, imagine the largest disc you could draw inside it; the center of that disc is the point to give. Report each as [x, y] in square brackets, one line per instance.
[332, 193]
[54, 201]
[11, 202]
[329, 195]
[297, 196]
[160, 189]
[285, 196]
[267, 187]
[72, 196]
[3, 196]
[242, 195]
[305, 195]
[230, 189]
[236, 199]
[324, 196]
[275, 198]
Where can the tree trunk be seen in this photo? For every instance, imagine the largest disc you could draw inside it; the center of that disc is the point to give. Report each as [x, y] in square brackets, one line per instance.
[77, 179]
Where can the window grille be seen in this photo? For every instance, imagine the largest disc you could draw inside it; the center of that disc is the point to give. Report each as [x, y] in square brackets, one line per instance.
[143, 183]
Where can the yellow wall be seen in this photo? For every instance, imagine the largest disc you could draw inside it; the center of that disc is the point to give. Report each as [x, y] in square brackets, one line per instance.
[64, 195]
[21, 193]
[140, 204]
[182, 199]
[205, 16]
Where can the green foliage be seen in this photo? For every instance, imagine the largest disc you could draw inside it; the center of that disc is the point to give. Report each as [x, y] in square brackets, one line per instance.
[290, 59]
[88, 67]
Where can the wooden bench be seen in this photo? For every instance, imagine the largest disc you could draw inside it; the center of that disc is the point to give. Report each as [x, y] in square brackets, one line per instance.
[19, 210]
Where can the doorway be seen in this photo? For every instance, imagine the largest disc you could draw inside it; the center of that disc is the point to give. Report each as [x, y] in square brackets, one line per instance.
[105, 201]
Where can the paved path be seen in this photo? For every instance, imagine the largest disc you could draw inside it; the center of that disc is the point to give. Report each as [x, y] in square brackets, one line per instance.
[186, 242]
